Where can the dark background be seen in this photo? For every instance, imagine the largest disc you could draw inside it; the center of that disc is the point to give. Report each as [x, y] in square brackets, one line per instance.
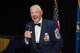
[15, 13]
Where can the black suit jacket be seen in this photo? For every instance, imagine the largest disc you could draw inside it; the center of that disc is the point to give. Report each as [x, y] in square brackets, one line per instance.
[51, 46]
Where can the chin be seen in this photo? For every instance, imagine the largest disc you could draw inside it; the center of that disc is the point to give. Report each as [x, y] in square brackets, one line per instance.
[35, 21]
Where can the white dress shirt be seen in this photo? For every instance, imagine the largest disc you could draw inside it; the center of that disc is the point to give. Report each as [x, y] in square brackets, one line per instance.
[38, 31]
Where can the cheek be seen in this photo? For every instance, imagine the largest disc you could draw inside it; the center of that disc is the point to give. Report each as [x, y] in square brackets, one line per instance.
[31, 15]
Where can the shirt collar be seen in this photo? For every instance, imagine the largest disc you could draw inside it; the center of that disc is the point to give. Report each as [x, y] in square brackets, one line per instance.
[40, 20]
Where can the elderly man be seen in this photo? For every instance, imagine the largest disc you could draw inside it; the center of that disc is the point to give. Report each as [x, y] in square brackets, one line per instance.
[42, 34]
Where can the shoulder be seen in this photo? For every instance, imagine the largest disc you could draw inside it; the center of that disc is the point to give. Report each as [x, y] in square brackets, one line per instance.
[50, 22]
[29, 23]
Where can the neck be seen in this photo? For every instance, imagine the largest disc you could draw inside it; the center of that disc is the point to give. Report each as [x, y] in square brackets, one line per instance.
[40, 21]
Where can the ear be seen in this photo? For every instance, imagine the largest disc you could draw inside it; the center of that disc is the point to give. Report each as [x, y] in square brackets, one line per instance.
[41, 12]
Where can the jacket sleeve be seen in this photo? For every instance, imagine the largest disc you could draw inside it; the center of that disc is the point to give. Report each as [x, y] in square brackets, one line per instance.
[57, 39]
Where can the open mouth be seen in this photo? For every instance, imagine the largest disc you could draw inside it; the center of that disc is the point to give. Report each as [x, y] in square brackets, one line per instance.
[35, 17]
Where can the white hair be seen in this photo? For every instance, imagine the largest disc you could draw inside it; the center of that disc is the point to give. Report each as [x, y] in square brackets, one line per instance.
[36, 6]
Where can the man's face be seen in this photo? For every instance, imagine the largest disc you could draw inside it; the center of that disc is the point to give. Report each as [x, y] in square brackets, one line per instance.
[36, 14]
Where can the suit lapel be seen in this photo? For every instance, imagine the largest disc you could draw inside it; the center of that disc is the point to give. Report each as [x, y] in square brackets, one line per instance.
[42, 33]
[33, 36]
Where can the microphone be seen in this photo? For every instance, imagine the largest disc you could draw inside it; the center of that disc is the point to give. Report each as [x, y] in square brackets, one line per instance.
[28, 29]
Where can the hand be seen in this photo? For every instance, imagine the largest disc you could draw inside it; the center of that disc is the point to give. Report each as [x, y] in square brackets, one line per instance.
[27, 34]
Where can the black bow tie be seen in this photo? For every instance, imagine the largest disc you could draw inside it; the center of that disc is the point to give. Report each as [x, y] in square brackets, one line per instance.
[39, 24]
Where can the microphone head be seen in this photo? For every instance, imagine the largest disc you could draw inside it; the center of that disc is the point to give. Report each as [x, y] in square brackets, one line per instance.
[29, 28]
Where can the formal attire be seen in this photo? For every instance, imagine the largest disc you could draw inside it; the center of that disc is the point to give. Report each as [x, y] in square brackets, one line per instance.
[44, 38]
